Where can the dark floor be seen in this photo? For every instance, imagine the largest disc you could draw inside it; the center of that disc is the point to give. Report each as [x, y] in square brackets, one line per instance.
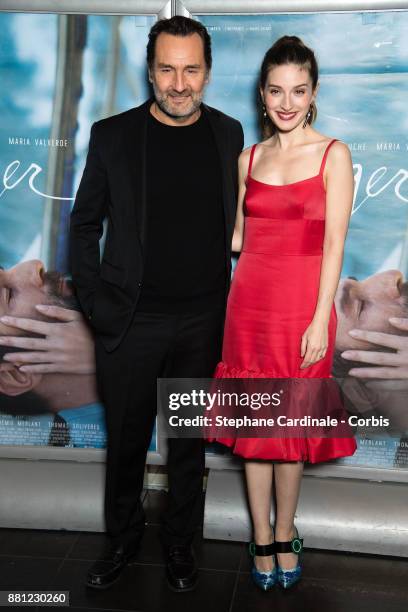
[332, 582]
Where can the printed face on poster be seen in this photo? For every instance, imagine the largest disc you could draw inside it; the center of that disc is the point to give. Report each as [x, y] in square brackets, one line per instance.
[44, 137]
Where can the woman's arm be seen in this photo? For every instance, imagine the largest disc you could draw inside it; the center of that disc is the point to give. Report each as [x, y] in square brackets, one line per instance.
[339, 201]
[238, 237]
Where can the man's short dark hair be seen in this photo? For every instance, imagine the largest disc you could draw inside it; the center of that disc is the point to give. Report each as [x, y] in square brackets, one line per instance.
[179, 26]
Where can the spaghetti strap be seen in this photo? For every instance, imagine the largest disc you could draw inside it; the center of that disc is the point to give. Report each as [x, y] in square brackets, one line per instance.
[251, 159]
[322, 165]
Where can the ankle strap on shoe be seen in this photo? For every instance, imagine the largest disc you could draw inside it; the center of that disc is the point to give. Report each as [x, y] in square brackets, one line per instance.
[261, 550]
[292, 546]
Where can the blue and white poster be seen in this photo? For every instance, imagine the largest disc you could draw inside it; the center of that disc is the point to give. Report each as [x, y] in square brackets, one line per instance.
[59, 74]
[62, 73]
[363, 64]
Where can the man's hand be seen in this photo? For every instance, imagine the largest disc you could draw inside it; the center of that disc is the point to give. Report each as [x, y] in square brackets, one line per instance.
[386, 365]
[67, 346]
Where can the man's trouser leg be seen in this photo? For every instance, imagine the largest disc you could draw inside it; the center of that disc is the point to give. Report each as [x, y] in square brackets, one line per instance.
[127, 383]
[195, 353]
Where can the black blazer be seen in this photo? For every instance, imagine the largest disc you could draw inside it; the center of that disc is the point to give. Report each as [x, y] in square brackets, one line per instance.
[113, 186]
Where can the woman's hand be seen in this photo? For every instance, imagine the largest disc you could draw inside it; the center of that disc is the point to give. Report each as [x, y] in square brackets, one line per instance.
[314, 343]
[67, 346]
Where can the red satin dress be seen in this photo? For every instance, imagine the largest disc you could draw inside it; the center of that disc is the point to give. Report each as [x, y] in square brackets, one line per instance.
[272, 301]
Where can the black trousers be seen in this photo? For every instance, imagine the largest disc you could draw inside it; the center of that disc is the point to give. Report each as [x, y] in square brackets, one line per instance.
[156, 345]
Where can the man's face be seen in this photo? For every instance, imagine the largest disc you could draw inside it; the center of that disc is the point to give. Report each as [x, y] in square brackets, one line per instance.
[368, 305]
[24, 286]
[179, 74]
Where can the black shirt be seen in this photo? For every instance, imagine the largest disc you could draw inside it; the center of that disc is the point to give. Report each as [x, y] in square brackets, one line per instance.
[185, 259]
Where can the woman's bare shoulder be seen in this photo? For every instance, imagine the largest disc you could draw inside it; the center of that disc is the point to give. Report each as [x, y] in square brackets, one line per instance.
[339, 151]
[323, 140]
[244, 156]
[243, 160]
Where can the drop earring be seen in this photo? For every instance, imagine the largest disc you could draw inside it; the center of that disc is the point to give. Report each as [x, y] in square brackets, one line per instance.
[309, 114]
[265, 114]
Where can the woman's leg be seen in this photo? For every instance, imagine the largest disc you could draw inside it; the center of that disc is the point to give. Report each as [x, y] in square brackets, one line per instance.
[259, 485]
[288, 477]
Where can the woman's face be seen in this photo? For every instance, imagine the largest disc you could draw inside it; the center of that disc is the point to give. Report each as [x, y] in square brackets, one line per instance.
[287, 95]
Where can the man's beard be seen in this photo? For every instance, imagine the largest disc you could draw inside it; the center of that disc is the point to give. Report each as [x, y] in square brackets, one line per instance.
[59, 290]
[162, 101]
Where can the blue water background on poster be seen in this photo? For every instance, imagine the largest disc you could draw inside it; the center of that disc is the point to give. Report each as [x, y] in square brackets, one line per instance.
[28, 63]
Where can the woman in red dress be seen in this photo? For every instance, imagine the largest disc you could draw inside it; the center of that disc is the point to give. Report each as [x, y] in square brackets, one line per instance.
[295, 200]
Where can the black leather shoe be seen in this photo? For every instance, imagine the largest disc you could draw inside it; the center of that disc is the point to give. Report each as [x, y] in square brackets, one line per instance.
[181, 568]
[108, 568]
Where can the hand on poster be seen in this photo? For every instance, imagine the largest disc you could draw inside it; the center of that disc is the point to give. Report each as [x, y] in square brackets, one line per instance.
[67, 345]
[386, 365]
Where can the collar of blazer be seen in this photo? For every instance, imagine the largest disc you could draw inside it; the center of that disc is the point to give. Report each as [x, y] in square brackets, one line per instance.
[135, 146]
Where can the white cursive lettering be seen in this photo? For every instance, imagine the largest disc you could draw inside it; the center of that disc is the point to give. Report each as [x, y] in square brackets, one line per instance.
[34, 169]
[375, 178]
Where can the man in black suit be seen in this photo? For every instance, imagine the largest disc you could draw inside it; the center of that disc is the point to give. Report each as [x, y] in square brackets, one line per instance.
[165, 176]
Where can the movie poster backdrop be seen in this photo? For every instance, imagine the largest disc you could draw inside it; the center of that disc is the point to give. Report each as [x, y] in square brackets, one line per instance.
[61, 73]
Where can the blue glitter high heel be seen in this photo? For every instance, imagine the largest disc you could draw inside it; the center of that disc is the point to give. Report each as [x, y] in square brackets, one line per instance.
[264, 580]
[288, 578]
